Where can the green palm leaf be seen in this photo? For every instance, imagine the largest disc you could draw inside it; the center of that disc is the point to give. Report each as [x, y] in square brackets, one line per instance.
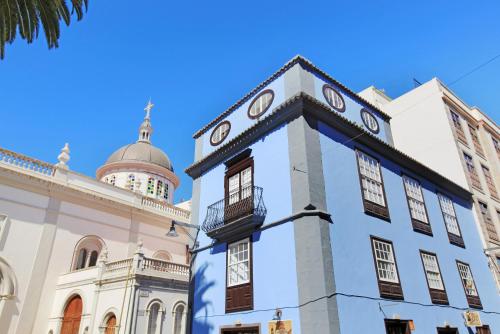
[26, 16]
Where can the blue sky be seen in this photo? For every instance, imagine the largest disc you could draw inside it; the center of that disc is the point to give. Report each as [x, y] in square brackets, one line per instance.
[197, 58]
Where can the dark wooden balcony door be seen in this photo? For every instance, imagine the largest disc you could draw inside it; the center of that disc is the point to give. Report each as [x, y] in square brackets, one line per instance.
[447, 330]
[241, 330]
[397, 327]
[72, 316]
[238, 190]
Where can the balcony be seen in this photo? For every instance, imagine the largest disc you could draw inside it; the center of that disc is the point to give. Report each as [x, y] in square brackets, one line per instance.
[237, 215]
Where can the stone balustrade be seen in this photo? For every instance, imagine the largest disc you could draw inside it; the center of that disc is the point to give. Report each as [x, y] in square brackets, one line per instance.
[24, 162]
[166, 207]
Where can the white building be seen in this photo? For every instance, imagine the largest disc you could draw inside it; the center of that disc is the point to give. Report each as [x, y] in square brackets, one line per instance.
[433, 125]
[80, 255]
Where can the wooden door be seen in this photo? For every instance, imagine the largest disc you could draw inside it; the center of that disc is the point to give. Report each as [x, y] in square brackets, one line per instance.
[72, 316]
[110, 325]
[243, 330]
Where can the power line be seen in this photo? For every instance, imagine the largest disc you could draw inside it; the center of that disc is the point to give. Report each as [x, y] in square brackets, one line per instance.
[377, 299]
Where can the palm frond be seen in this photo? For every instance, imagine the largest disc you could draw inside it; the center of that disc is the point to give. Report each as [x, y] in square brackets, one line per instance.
[26, 16]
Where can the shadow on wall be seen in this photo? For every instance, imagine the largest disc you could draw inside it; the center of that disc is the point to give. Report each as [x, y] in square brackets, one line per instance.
[200, 324]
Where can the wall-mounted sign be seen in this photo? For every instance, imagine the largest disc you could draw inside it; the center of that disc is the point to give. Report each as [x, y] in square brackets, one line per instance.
[472, 319]
[143, 293]
[280, 327]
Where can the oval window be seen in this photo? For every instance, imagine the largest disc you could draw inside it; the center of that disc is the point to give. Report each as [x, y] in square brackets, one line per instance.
[334, 99]
[220, 133]
[260, 104]
[370, 121]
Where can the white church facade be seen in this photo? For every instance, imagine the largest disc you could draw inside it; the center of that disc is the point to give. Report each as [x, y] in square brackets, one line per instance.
[91, 255]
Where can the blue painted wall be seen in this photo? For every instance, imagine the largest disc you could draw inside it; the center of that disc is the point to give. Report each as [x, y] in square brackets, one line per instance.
[274, 271]
[352, 253]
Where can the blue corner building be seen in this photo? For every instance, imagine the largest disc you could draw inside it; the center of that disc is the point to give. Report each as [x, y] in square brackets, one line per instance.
[312, 222]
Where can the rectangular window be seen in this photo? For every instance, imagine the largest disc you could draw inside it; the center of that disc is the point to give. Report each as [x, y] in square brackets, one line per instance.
[459, 131]
[416, 204]
[447, 330]
[435, 283]
[238, 263]
[386, 267]
[372, 185]
[239, 190]
[488, 222]
[489, 181]
[484, 329]
[450, 219]
[239, 290]
[475, 140]
[471, 170]
[469, 285]
[496, 145]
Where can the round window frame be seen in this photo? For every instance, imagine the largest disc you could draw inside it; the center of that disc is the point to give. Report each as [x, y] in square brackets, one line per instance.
[255, 99]
[363, 111]
[215, 129]
[327, 86]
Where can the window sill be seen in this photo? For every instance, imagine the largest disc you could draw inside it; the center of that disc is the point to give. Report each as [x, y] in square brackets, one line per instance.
[456, 240]
[421, 227]
[376, 210]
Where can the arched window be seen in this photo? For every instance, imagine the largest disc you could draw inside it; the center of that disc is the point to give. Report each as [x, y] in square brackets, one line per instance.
[159, 188]
[179, 318]
[93, 258]
[72, 316]
[87, 252]
[165, 191]
[151, 186]
[82, 259]
[7, 284]
[155, 312]
[109, 325]
[131, 181]
[162, 255]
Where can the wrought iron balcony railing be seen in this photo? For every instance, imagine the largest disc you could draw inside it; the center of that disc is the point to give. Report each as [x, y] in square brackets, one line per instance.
[242, 208]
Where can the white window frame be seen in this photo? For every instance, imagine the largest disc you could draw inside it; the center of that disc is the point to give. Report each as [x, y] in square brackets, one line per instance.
[220, 133]
[432, 271]
[385, 261]
[371, 179]
[261, 104]
[467, 279]
[416, 201]
[238, 264]
[449, 215]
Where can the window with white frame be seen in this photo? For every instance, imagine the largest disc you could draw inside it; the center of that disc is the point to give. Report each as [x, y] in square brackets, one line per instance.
[415, 199]
[432, 271]
[240, 185]
[371, 179]
[220, 133]
[159, 188]
[165, 191]
[467, 279]
[238, 263]
[496, 145]
[369, 121]
[260, 104]
[449, 215]
[334, 99]
[384, 259]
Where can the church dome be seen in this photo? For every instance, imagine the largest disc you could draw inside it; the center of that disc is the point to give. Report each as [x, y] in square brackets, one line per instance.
[141, 152]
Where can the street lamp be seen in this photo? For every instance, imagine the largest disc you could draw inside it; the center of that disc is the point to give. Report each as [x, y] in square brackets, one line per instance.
[172, 233]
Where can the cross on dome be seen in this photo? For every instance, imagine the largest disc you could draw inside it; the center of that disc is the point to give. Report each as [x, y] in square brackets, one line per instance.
[148, 108]
[145, 130]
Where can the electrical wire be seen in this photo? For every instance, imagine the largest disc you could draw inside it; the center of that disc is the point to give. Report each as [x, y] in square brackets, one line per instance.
[377, 299]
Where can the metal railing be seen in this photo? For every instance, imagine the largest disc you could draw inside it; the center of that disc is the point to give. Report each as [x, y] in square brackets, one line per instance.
[247, 202]
[21, 161]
